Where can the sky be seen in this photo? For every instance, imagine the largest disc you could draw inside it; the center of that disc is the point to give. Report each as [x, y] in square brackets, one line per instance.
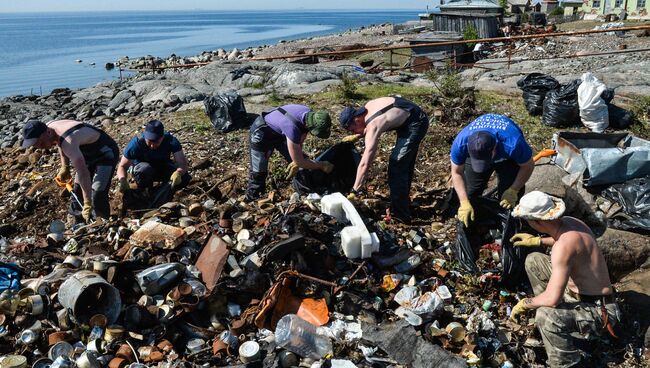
[11, 6]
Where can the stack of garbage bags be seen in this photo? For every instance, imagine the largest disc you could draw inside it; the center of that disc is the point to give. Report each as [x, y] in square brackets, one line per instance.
[586, 100]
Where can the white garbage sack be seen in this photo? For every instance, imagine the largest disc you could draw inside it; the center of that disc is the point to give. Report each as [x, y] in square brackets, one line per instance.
[593, 109]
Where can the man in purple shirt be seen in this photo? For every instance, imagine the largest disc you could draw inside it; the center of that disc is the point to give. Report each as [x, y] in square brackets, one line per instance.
[284, 129]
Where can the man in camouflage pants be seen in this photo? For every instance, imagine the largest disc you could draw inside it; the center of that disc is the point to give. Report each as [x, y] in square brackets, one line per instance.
[574, 297]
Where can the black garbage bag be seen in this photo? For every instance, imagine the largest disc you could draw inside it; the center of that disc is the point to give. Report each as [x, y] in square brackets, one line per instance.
[634, 198]
[490, 217]
[535, 86]
[561, 106]
[226, 111]
[619, 118]
[345, 159]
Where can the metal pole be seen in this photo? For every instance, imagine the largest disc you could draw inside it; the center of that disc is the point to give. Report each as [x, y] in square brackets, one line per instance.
[391, 61]
[449, 43]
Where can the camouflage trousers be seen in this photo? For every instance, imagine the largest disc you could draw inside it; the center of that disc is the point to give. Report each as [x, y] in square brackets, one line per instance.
[569, 326]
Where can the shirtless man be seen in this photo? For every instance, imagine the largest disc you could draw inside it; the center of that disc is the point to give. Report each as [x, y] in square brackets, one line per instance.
[382, 115]
[573, 292]
[92, 153]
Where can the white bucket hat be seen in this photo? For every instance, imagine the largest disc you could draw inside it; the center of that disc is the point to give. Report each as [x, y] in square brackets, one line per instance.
[537, 205]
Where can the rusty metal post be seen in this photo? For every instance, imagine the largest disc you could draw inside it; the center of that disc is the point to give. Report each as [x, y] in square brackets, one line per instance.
[509, 53]
[391, 61]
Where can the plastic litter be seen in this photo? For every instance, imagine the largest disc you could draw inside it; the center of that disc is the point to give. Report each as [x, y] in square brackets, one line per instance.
[226, 111]
[593, 109]
[299, 336]
[561, 106]
[535, 86]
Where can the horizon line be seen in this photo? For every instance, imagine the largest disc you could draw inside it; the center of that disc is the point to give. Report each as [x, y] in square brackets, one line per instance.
[204, 9]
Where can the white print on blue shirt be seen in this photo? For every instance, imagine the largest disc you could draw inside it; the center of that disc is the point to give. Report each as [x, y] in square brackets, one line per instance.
[489, 122]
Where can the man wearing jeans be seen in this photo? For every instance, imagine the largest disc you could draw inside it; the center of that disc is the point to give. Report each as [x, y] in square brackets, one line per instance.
[371, 121]
[490, 143]
[152, 154]
[574, 298]
[92, 153]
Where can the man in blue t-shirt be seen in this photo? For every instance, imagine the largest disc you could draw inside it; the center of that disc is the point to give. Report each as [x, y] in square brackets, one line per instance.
[490, 143]
[152, 153]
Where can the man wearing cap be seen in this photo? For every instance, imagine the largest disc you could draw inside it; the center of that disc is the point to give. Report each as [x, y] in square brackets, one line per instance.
[490, 143]
[371, 121]
[574, 297]
[284, 129]
[92, 153]
[152, 153]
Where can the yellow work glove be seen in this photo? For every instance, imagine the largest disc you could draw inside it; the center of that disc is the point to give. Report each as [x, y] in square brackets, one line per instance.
[465, 212]
[292, 170]
[123, 185]
[525, 240]
[64, 174]
[176, 179]
[351, 138]
[352, 196]
[519, 309]
[87, 211]
[327, 167]
[509, 198]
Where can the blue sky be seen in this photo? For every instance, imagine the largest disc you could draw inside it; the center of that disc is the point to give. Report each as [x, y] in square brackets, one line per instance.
[7, 6]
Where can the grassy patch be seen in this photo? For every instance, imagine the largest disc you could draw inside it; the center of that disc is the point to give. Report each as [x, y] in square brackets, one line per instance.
[195, 119]
[368, 92]
[537, 134]
[641, 117]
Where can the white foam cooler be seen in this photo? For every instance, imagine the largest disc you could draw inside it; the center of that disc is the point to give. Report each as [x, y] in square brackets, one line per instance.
[356, 240]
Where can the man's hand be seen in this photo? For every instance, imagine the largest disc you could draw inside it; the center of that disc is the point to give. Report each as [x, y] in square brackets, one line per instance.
[176, 179]
[509, 198]
[64, 174]
[525, 240]
[465, 212]
[327, 167]
[520, 308]
[292, 170]
[87, 211]
[351, 138]
[123, 185]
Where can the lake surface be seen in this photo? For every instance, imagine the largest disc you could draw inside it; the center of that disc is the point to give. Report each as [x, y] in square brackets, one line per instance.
[38, 51]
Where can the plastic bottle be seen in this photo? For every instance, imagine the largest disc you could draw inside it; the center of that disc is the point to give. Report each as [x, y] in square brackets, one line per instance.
[299, 336]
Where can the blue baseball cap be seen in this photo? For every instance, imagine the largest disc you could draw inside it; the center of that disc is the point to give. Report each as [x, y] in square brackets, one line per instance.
[154, 130]
[480, 146]
[32, 130]
[348, 114]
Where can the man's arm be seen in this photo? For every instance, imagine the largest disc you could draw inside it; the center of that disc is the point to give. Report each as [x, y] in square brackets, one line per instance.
[122, 167]
[560, 267]
[64, 159]
[458, 180]
[79, 163]
[181, 161]
[372, 144]
[525, 171]
[298, 156]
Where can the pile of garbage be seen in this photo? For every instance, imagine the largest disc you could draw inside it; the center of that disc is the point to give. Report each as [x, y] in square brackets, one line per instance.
[586, 100]
[222, 282]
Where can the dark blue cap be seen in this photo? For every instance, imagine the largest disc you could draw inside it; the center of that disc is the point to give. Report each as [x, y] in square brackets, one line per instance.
[480, 146]
[32, 131]
[348, 114]
[154, 130]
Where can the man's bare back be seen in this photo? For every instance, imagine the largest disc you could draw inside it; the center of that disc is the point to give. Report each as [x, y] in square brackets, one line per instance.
[78, 137]
[588, 273]
[391, 119]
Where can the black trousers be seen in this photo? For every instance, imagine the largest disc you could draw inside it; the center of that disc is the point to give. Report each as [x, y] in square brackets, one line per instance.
[263, 141]
[401, 163]
[476, 183]
[145, 174]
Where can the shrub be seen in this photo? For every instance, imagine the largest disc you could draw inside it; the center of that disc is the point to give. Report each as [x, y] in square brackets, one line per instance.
[470, 33]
